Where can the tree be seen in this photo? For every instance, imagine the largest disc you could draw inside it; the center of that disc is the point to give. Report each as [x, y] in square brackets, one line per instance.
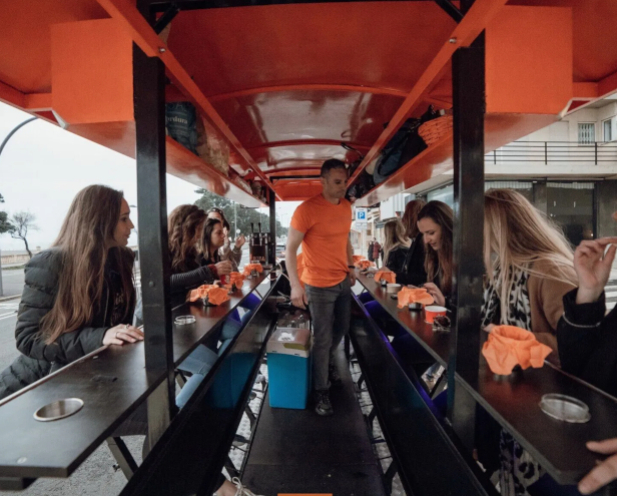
[21, 223]
[244, 216]
[5, 225]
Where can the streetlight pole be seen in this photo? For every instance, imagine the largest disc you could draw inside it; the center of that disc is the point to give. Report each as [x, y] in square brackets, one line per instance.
[4, 142]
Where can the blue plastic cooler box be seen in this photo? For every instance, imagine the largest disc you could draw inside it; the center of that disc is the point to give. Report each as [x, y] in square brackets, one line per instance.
[289, 367]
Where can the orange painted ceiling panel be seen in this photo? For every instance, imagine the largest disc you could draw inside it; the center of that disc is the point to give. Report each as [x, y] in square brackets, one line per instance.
[384, 44]
[595, 50]
[25, 38]
[307, 115]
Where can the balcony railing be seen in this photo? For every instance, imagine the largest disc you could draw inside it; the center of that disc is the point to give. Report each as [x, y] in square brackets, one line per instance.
[554, 151]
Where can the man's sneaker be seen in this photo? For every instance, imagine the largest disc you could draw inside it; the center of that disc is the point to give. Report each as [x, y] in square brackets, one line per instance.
[333, 375]
[242, 491]
[323, 407]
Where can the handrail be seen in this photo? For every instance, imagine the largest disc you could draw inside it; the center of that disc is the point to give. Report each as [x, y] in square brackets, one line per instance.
[554, 151]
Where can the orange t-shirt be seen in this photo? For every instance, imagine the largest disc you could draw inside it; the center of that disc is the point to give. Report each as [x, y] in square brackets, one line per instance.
[326, 232]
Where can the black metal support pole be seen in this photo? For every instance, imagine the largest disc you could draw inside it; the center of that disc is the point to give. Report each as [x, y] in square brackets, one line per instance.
[149, 101]
[469, 108]
[272, 247]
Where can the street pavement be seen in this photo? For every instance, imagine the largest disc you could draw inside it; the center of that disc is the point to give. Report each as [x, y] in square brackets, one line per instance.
[12, 281]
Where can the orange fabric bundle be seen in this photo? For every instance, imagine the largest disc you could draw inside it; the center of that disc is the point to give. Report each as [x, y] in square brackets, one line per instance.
[363, 264]
[248, 268]
[508, 346]
[237, 279]
[414, 295]
[357, 258]
[215, 295]
[386, 275]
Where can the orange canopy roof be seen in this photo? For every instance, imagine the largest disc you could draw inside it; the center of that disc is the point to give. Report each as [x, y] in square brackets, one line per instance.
[286, 84]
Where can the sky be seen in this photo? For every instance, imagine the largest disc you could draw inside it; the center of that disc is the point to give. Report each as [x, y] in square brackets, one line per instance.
[43, 167]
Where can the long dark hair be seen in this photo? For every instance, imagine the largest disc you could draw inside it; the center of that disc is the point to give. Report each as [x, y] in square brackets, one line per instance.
[84, 239]
[206, 242]
[439, 263]
[410, 218]
[185, 226]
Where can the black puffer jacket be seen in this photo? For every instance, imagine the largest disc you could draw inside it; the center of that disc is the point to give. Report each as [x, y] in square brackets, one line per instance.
[38, 297]
[587, 340]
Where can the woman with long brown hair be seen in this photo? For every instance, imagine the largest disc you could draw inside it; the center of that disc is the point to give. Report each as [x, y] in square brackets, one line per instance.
[413, 271]
[226, 252]
[79, 294]
[187, 225]
[435, 222]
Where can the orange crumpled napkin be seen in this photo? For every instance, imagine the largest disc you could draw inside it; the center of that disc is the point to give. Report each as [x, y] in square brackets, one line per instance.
[508, 346]
[237, 279]
[414, 295]
[386, 275]
[216, 295]
[363, 264]
[248, 268]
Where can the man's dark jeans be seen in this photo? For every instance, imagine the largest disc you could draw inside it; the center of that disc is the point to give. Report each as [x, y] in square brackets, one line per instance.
[331, 312]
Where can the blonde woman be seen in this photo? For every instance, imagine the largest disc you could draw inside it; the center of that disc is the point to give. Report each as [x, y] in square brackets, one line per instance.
[529, 266]
[396, 246]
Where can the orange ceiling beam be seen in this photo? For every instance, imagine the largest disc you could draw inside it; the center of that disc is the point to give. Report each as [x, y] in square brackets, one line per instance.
[585, 90]
[37, 102]
[608, 85]
[145, 37]
[474, 22]
[348, 88]
[10, 95]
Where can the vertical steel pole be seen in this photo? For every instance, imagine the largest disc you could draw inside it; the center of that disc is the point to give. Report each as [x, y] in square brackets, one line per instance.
[272, 247]
[149, 102]
[469, 108]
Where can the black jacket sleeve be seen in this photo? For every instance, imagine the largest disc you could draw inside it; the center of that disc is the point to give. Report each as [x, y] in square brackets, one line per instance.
[587, 342]
[413, 269]
[38, 297]
[181, 283]
[396, 261]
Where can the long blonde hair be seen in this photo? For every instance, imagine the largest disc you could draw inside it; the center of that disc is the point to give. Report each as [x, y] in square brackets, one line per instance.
[516, 236]
[84, 237]
[394, 232]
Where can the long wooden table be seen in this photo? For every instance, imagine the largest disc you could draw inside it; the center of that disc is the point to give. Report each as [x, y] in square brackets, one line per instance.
[513, 401]
[112, 385]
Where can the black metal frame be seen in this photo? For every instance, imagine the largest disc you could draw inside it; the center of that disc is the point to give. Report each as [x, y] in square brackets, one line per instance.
[149, 103]
[469, 103]
[202, 433]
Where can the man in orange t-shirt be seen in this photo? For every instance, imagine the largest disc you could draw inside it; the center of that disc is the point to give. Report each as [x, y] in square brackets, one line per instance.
[321, 224]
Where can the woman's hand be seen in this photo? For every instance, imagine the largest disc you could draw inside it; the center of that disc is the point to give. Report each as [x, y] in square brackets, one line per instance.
[226, 236]
[606, 471]
[436, 293]
[240, 240]
[223, 268]
[593, 268]
[121, 334]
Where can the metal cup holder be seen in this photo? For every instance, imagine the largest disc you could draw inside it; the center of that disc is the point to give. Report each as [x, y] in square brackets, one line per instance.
[182, 320]
[565, 408]
[59, 409]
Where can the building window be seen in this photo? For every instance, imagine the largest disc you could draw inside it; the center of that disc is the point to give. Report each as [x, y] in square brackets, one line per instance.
[607, 127]
[586, 133]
